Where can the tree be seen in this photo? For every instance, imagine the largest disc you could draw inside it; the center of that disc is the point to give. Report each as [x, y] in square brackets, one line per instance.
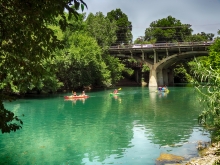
[124, 27]
[200, 37]
[100, 27]
[80, 63]
[104, 31]
[214, 55]
[167, 30]
[26, 41]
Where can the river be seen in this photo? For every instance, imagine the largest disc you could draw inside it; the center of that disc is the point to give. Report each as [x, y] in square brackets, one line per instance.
[133, 128]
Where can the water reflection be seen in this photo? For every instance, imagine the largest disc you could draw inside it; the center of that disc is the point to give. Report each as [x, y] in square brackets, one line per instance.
[116, 97]
[77, 99]
[174, 117]
[132, 128]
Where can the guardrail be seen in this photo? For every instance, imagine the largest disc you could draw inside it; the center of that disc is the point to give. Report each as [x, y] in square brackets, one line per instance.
[133, 46]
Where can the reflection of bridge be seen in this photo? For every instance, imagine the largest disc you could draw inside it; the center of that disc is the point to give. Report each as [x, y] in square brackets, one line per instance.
[161, 58]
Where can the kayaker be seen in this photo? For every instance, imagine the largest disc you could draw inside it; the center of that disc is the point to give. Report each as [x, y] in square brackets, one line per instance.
[164, 88]
[115, 91]
[74, 93]
[83, 93]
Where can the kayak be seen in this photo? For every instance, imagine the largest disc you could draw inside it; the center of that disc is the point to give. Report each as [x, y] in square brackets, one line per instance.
[76, 97]
[165, 91]
[114, 94]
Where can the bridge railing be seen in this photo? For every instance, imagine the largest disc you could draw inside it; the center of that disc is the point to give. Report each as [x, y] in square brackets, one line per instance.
[158, 45]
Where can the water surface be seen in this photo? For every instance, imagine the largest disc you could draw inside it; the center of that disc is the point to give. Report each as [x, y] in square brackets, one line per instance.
[132, 128]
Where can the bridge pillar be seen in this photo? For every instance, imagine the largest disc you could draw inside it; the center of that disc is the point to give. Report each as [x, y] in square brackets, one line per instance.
[142, 56]
[153, 78]
[160, 77]
[155, 57]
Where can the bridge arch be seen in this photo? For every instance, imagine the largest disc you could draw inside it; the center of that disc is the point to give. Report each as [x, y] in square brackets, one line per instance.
[166, 62]
[162, 72]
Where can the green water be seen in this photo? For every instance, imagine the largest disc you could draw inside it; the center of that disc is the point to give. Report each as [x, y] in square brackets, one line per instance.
[132, 128]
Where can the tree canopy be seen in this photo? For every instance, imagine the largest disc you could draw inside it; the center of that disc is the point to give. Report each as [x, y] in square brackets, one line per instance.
[167, 29]
[200, 37]
[124, 26]
[102, 29]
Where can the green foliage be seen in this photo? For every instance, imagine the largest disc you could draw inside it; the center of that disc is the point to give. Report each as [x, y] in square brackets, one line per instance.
[181, 73]
[100, 27]
[211, 95]
[209, 87]
[213, 60]
[145, 68]
[124, 27]
[80, 63]
[26, 41]
[116, 68]
[167, 30]
[200, 37]
[83, 62]
[104, 31]
[214, 55]
[8, 121]
[141, 40]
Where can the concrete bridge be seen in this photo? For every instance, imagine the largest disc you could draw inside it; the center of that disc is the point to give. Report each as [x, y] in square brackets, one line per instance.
[161, 58]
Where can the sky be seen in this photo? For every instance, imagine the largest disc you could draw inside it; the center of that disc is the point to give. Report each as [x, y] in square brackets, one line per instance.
[203, 15]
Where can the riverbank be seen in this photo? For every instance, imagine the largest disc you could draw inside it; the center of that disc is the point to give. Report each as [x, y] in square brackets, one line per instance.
[208, 156]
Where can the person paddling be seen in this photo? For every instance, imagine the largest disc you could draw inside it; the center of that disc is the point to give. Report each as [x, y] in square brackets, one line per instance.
[83, 93]
[74, 93]
[115, 91]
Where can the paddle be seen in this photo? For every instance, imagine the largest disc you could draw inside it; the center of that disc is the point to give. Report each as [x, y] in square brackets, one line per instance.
[115, 93]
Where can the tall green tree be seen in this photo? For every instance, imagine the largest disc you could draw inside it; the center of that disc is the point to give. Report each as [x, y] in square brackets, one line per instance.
[167, 29]
[100, 27]
[124, 26]
[26, 41]
[104, 31]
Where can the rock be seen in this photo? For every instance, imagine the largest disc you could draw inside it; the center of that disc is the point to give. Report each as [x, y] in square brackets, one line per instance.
[165, 158]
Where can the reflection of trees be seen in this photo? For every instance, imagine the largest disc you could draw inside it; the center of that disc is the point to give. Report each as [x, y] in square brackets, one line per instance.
[58, 131]
[73, 131]
[174, 117]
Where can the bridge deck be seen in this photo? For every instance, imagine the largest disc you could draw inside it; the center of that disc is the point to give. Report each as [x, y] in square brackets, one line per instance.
[171, 47]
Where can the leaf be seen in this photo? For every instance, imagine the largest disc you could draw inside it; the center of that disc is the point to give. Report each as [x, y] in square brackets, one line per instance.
[83, 3]
[82, 7]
